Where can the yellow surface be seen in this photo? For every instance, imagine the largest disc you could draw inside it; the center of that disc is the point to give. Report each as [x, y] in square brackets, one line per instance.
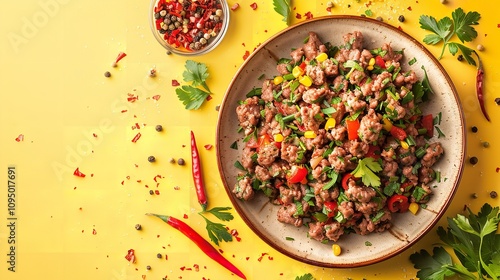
[53, 55]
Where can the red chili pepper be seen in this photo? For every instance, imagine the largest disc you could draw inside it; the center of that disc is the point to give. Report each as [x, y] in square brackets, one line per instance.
[197, 175]
[345, 180]
[130, 256]
[297, 174]
[204, 245]
[398, 203]
[479, 86]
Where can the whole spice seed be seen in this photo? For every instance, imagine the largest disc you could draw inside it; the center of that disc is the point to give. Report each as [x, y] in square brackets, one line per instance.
[120, 56]
[493, 194]
[197, 174]
[151, 159]
[159, 255]
[401, 18]
[151, 192]
[158, 127]
[204, 245]
[474, 129]
[497, 100]
[473, 160]
[138, 227]
[181, 161]
[107, 74]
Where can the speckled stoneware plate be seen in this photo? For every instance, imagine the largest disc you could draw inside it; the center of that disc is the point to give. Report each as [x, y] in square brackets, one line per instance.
[260, 215]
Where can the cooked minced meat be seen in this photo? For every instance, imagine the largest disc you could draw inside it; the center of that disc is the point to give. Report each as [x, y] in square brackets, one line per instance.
[334, 144]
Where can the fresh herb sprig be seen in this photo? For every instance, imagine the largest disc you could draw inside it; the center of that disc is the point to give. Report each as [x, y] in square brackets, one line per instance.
[366, 169]
[283, 7]
[475, 243]
[460, 24]
[192, 96]
[218, 232]
[307, 276]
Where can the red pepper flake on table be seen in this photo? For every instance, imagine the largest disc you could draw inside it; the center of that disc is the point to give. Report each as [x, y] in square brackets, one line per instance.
[253, 6]
[120, 56]
[77, 173]
[20, 138]
[190, 25]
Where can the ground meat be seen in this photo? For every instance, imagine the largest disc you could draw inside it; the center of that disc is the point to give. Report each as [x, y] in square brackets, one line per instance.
[246, 159]
[356, 77]
[390, 168]
[432, 154]
[313, 95]
[249, 114]
[312, 46]
[333, 230]
[408, 173]
[406, 156]
[286, 215]
[289, 194]
[262, 173]
[316, 74]
[347, 209]
[355, 39]
[337, 159]
[243, 189]
[339, 132]
[339, 84]
[361, 194]
[267, 154]
[370, 127]
[279, 168]
[331, 69]
[316, 231]
[356, 148]
[368, 207]
[289, 151]
[354, 101]
[426, 174]
[308, 115]
[379, 81]
[282, 69]
[297, 55]
[268, 87]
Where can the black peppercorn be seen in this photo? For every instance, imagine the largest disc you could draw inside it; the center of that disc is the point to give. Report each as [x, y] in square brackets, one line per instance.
[473, 160]
[460, 57]
[138, 227]
[473, 129]
[181, 161]
[148, 267]
[151, 159]
[493, 194]
[401, 18]
[497, 100]
[151, 192]
[158, 127]
[159, 255]
[107, 74]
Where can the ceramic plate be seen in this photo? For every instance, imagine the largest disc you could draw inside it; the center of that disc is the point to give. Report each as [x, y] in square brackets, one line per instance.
[260, 215]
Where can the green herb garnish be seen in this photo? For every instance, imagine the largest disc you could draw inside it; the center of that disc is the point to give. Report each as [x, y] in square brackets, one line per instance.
[283, 8]
[191, 96]
[366, 169]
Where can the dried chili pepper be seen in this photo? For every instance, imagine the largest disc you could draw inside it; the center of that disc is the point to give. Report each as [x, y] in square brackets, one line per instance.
[197, 175]
[479, 86]
[118, 58]
[204, 245]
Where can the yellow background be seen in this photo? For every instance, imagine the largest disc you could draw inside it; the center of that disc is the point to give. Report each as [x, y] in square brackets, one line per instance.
[53, 55]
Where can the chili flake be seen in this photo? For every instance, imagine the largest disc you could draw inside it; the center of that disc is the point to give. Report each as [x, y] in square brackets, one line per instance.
[253, 6]
[136, 137]
[235, 6]
[78, 173]
[130, 256]
[208, 147]
[175, 83]
[20, 138]
[246, 55]
[120, 56]
[308, 15]
[156, 97]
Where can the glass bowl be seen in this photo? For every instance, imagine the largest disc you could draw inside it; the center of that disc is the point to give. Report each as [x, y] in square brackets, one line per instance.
[186, 29]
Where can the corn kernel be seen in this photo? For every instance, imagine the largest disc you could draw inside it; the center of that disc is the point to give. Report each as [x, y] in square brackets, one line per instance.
[369, 67]
[278, 80]
[278, 137]
[337, 250]
[404, 145]
[321, 57]
[387, 124]
[310, 134]
[297, 71]
[371, 62]
[330, 123]
[306, 81]
[414, 208]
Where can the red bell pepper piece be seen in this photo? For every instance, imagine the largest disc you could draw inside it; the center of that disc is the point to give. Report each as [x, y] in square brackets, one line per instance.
[398, 133]
[380, 61]
[428, 123]
[345, 180]
[332, 208]
[352, 129]
[297, 174]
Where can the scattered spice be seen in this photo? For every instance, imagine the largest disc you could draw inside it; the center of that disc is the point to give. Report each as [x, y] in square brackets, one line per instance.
[401, 18]
[473, 160]
[380, 19]
[130, 256]
[151, 159]
[485, 144]
[479, 86]
[159, 255]
[460, 57]
[204, 245]
[480, 47]
[175, 83]
[172, 160]
[151, 192]
[120, 56]
[136, 137]
[138, 227]
[20, 138]
[107, 74]
[253, 6]
[474, 196]
[493, 194]
[235, 7]
[148, 267]
[77, 173]
[152, 72]
[497, 101]
[181, 161]
[474, 129]
[159, 128]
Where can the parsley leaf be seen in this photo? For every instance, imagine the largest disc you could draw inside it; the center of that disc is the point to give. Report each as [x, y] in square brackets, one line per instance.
[217, 232]
[220, 213]
[283, 8]
[460, 24]
[191, 96]
[475, 243]
[366, 171]
[196, 73]
[307, 276]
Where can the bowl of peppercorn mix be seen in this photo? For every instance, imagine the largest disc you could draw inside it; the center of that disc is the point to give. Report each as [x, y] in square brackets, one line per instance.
[187, 27]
